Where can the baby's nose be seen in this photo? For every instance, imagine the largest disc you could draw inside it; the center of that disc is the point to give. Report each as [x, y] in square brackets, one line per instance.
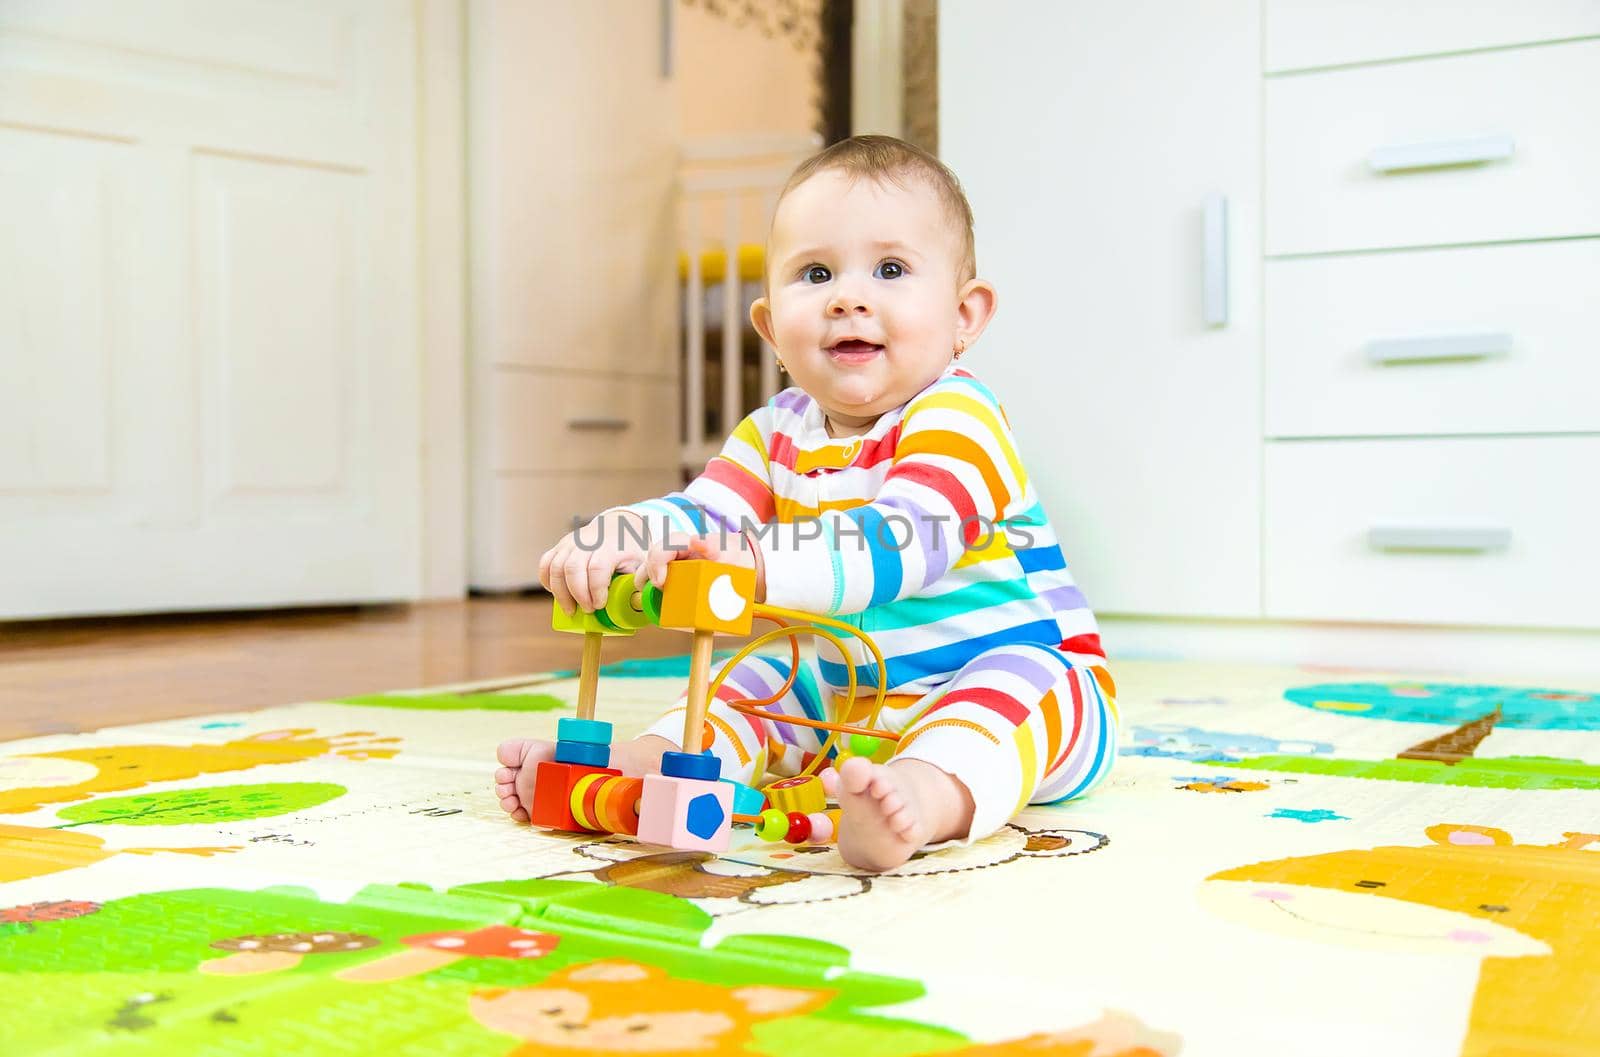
[845, 304]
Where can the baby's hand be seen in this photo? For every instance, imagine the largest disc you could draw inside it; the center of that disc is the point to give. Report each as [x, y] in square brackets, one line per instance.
[578, 569]
[732, 548]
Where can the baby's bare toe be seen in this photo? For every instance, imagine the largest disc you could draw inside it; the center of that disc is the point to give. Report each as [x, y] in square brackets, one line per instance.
[505, 776]
[854, 776]
[882, 786]
[519, 815]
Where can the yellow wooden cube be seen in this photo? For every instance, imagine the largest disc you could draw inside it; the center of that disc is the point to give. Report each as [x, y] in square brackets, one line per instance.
[704, 595]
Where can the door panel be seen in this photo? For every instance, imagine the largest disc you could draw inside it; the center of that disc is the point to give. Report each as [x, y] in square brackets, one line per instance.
[56, 284]
[209, 369]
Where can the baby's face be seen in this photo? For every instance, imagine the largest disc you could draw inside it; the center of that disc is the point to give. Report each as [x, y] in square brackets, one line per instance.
[864, 302]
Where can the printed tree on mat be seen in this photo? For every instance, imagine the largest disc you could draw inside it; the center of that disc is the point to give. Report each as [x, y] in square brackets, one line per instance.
[222, 803]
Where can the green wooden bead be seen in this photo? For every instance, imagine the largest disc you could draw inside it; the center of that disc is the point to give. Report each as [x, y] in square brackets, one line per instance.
[774, 825]
[619, 605]
[864, 745]
[650, 602]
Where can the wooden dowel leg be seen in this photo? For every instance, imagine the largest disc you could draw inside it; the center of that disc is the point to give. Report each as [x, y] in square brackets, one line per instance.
[699, 681]
[589, 674]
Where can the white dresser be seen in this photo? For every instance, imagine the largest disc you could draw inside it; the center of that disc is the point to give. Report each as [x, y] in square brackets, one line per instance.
[1300, 301]
[573, 320]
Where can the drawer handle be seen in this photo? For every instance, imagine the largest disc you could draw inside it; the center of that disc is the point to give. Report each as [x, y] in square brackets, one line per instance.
[1214, 273]
[608, 425]
[1441, 154]
[1439, 347]
[1460, 540]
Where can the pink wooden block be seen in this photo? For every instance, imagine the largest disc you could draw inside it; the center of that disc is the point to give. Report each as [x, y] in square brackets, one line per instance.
[685, 813]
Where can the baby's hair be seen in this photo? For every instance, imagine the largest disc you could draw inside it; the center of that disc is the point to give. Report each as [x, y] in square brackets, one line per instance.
[884, 159]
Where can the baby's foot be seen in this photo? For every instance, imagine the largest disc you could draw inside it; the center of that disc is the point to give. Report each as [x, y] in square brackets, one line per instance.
[513, 782]
[889, 811]
[520, 758]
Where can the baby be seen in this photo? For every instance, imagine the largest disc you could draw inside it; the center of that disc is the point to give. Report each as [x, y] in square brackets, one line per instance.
[883, 488]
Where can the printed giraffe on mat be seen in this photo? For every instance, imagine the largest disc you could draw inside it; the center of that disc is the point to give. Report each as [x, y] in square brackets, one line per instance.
[29, 782]
[1531, 910]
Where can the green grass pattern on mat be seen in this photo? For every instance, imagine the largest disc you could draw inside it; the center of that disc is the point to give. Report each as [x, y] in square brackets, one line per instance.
[127, 974]
[1506, 772]
[206, 804]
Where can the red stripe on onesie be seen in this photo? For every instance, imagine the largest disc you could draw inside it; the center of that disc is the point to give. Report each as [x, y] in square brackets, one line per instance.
[755, 494]
[996, 701]
[880, 450]
[1077, 722]
[1089, 644]
[729, 693]
[947, 485]
[781, 450]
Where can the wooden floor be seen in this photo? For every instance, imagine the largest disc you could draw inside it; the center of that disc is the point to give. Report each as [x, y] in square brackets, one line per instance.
[79, 675]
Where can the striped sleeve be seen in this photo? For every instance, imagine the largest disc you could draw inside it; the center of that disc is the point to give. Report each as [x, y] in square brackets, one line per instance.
[734, 491]
[955, 476]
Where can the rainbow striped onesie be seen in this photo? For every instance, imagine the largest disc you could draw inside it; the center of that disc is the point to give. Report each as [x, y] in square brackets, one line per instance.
[926, 533]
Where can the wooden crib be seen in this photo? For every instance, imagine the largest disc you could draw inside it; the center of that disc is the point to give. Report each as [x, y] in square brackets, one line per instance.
[729, 188]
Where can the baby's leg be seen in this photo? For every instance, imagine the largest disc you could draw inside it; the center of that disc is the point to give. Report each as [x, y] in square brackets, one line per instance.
[1016, 724]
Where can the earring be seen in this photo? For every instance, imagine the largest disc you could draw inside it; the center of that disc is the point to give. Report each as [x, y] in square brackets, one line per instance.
[961, 346]
[781, 367]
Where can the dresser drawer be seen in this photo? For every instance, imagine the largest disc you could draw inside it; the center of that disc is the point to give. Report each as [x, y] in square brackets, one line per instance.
[1492, 532]
[527, 514]
[554, 420]
[1486, 339]
[1383, 156]
[1309, 33]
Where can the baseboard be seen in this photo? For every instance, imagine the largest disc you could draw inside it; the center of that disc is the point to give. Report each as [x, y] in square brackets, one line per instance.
[1513, 653]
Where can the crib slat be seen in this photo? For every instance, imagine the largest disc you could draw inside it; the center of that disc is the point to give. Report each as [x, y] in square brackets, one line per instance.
[694, 354]
[769, 356]
[732, 328]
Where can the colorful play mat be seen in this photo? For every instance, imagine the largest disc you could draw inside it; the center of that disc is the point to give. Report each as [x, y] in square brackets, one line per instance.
[1284, 862]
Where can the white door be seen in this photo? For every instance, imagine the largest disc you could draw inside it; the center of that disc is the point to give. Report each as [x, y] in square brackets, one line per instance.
[1089, 137]
[209, 371]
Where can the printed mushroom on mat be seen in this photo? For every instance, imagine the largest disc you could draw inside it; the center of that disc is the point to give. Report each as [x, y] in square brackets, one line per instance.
[280, 950]
[431, 950]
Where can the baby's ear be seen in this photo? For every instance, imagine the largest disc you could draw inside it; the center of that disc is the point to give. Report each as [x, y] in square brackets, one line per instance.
[761, 319]
[764, 1001]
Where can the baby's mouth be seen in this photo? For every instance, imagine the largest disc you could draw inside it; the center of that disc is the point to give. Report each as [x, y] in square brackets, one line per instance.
[855, 350]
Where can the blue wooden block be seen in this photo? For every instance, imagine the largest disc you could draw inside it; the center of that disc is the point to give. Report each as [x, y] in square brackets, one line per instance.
[591, 731]
[583, 753]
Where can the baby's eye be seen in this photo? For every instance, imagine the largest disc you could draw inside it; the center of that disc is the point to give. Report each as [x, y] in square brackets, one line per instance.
[816, 273]
[890, 270]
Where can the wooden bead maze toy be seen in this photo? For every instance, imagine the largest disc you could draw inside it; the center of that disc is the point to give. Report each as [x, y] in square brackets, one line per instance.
[689, 806]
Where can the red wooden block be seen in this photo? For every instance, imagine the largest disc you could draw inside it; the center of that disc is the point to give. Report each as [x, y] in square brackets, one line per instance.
[552, 794]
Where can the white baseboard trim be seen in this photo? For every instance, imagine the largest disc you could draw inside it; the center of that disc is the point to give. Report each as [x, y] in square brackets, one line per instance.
[1573, 656]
